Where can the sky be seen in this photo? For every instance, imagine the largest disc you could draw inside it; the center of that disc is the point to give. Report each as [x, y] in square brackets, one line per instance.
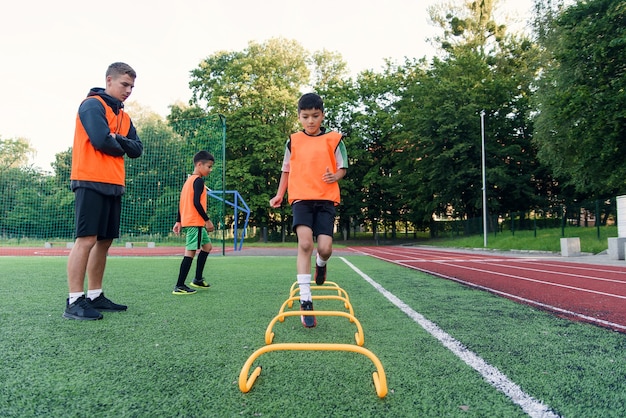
[53, 52]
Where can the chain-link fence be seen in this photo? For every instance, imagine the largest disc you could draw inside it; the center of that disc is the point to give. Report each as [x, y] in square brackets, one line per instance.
[592, 213]
[37, 209]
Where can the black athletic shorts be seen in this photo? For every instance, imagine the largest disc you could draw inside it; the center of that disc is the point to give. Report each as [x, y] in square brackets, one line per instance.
[97, 214]
[319, 215]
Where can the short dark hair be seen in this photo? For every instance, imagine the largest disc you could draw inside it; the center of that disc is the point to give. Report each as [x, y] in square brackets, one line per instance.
[121, 68]
[203, 156]
[310, 101]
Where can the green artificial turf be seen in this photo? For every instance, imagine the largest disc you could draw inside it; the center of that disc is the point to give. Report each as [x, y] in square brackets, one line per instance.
[182, 355]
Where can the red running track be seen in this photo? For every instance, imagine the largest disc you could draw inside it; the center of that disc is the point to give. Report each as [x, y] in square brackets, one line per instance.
[113, 251]
[583, 292]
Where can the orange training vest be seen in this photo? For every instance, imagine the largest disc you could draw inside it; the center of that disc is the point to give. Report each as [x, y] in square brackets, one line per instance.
[88, 163]
[310, 155]
[189, 215]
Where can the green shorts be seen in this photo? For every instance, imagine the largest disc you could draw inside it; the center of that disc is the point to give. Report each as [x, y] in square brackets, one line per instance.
[196, 237]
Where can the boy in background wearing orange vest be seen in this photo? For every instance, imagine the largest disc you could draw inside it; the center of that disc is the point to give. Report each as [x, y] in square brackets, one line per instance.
[104, 134]
[194, 221]
[314, 161]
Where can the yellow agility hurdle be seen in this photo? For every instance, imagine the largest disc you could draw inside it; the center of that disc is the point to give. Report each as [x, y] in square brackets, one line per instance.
[380, 381]
[326, 286]
[289, 302]
[246, 383]
[358, 336]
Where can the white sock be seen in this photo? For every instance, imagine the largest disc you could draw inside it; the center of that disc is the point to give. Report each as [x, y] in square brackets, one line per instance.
[92, 294]
[304, 282]
[319, 261]
[74, 296]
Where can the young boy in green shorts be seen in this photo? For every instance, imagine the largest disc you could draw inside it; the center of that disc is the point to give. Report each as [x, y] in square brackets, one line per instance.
[194, 221]
[314, 162]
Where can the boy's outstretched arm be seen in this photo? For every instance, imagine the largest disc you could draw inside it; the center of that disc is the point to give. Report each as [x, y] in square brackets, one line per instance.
[277, 200]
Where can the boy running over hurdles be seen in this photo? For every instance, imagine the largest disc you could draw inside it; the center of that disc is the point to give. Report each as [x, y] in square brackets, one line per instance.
[194, 221]
[314, 161]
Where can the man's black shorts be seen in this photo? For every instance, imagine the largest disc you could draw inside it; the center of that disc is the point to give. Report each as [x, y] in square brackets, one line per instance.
[97, 214]
[319, 215]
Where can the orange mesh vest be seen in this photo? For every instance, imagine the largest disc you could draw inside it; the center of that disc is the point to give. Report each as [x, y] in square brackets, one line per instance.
[310, 155]
[189, 216]
[88, 163]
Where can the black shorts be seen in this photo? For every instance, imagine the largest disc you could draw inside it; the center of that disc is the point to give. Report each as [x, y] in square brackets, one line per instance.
[97, 214]
[319, 215]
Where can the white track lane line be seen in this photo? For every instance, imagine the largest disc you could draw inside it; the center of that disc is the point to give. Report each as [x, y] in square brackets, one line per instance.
[531, 302]
[404, 263]
[575, 267]
[512, 276]
[426, 256]
[491, 374]
[522, 266]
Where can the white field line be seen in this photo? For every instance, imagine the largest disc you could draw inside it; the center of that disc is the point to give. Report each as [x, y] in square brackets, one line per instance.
[491, 374]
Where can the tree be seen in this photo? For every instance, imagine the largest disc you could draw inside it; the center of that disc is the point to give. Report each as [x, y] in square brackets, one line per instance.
[21, 191]
[482, 68]
[14, 153]
[329, 69]
[581, 96]
[23, 196]
[62, 167]
[380, 181]
[340, 96]
[154, 180]
[467, 25]
[257, 90]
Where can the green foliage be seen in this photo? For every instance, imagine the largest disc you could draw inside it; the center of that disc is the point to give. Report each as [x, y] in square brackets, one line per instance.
[14, 153]
[581, 98]
[467, 25]
[37, 205]
[155, 179]
[257, 91]
[444, 148]
[592, 240]
[381, 181]
[32, 205]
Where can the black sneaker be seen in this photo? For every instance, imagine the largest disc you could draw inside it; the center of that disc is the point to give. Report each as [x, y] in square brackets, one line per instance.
[199, 283]
[308, 321]
[81, 310]
[320, 275]
[103, 304]
[183, 290]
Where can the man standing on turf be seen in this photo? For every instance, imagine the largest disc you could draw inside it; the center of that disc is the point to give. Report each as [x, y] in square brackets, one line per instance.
[104, 134]
[314, 162]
